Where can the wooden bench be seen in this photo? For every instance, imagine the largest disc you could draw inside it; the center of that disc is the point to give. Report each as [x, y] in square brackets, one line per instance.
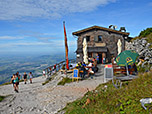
[119, 70]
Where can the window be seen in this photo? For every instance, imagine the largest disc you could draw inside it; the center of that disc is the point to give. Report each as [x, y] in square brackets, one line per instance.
[88, 38]
[99, 38]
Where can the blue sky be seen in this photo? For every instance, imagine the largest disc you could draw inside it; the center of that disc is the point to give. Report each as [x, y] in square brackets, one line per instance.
[36, 26]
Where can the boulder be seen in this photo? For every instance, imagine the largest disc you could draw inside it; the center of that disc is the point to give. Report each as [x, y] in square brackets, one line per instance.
[141, 46]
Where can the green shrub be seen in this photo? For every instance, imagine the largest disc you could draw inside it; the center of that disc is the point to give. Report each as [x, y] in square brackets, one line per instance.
[1, 98]
[64, 81]
[146, 32]
[51, 78]
[47, 81]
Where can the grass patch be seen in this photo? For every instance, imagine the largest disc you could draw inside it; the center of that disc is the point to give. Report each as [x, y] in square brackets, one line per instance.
[51, 78]
[7, 83]
[47, 81]
[110, 100]
[1, 98]
[64, 81]
[145, 68]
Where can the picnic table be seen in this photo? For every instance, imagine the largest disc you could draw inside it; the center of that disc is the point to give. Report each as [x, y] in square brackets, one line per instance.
[118, 80]
[120, 75]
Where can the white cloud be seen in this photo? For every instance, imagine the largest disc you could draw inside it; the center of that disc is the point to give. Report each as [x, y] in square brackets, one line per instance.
[16, 44]
[38, 35]
[54, 43]
[21, 9]
[11, 37]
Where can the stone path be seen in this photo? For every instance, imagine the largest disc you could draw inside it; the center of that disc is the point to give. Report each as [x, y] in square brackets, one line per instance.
[48, 99]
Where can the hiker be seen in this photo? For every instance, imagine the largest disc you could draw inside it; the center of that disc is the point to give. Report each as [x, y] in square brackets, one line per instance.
[12, 80]
[30, 76]
[18, 75]
[103, 60]
[44, 73]
[54, 69]
[25, 77]
[16, 83]
[97, 58]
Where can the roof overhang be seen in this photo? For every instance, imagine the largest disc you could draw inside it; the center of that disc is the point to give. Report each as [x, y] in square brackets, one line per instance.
[99, 28]
[92, 49]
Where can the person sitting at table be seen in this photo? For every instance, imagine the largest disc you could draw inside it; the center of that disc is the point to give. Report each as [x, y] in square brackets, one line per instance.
[90, 68]
[63, 69]
[135, 68]
[82, 71]
[83, 63]
[78, 65]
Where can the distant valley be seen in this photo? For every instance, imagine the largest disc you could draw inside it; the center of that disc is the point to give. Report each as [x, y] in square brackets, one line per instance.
[10, 65]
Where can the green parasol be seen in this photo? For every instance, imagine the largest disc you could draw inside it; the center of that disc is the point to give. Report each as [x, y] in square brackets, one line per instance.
[127, 57]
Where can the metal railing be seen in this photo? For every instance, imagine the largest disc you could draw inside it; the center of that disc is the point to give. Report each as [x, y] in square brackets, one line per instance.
[49, 70]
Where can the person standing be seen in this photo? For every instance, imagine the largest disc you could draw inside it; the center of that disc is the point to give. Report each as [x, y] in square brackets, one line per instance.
[94, 62]
[30, 76]
[44, 73]
[25, 77]
[16, 83]
[18, 75]
[97, 58]
[54, 69]
[12, 81]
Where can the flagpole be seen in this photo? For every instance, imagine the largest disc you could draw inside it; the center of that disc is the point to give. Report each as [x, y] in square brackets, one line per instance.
[66, 48]
[65, 53]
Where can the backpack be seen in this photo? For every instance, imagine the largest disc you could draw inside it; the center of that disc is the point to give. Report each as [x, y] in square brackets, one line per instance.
[18, 77]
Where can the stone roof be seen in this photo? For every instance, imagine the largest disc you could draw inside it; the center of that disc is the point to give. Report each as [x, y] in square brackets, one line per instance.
[99, 28]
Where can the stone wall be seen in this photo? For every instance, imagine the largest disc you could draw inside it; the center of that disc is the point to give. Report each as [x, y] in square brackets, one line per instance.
[142, 47]
[109, 38]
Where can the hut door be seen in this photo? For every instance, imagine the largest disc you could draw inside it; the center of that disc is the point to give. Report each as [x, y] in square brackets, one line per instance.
[100, 57]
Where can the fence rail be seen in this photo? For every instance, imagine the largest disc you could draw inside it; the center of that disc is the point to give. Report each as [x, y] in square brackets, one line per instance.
[49, 70]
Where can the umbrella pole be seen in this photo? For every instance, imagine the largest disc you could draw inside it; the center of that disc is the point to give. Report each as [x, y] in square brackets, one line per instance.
[127, 70]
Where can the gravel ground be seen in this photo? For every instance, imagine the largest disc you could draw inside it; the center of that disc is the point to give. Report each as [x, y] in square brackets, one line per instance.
[48, 99]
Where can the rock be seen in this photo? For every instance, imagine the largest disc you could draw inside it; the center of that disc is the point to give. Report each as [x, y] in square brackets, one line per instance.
[141, 46]
[9, 105]
[145, 101]
[32, 109]
[144, 42]
[18, 110]
[147, 45]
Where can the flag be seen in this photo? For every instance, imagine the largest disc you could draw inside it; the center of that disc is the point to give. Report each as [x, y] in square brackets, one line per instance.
[66, 47]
